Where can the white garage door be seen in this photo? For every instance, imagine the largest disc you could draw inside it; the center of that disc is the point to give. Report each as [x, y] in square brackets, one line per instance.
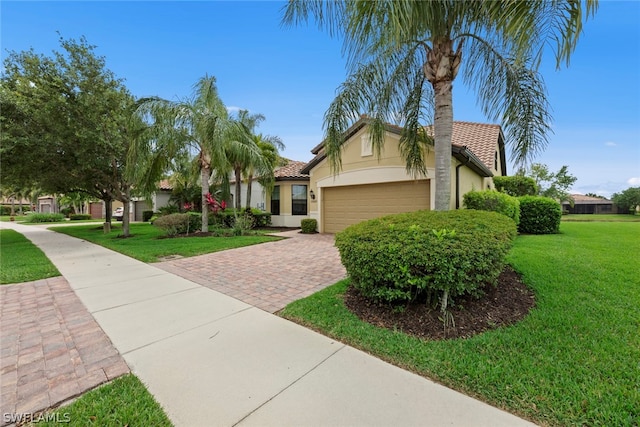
[343, 206]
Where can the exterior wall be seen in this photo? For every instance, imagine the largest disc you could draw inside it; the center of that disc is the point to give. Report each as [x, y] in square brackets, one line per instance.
[161, 199]
[286, 218]
[258, 194]
[359, 166]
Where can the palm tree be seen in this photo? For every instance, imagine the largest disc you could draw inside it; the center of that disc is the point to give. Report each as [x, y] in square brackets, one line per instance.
[404, 56]
[199, 126]
[269, 147]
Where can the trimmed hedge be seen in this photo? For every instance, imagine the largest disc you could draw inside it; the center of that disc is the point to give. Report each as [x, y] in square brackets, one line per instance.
[5, 210]
[491, 200]
[539, 215]
[44, 217]
[79, 217]
[516, 186]
[426, 255]
[309, 225]
[179, 223]
[227, 217]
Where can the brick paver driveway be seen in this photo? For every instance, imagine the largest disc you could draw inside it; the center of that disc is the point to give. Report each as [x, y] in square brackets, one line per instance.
[52, 348]
[268, 275]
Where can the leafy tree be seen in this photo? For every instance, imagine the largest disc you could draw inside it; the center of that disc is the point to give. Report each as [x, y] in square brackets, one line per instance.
[627, 200]
[199, 126]
[64, 123]
[404, 56]
[550, 184]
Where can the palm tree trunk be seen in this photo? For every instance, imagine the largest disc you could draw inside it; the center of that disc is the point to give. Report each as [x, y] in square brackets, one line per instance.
[249, 184]
[205, 173]
[443, 131]
[238, 174]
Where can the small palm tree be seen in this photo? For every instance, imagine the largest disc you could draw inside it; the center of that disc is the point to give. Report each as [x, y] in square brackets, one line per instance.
[404, 56]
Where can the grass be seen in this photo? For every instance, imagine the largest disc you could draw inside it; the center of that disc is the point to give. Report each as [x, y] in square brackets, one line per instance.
[17, 218]
[601, 218]
[572, 361]
[147, 245]
[21, 260]
[123, 402]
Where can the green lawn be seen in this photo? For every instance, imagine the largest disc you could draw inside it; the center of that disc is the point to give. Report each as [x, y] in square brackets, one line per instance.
[21, 260]
[123, 402]
[147, 245]
[573, 361]
[601, 218]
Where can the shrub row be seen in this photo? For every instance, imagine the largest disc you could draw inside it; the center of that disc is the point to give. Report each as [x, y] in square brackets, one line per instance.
[179, 223]
[79, 217]
[44, 217]
[495, 201]
[426, 255]
[532, 214]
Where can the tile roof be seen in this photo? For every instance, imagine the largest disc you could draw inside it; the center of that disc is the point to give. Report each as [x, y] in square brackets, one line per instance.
[581, 199]
[479, 138]
[165, 185]
[290, 171]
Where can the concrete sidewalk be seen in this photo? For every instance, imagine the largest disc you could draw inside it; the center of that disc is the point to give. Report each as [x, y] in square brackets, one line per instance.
[211, 360]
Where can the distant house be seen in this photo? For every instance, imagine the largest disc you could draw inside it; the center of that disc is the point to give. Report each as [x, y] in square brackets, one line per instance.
[368, 187]
[589, 205]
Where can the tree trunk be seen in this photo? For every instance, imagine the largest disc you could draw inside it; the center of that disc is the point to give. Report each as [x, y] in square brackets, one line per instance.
[249, 182]
[107, 216]
[238, 196]
[440, 70]
[205, 173]
[126, 213]
[443, 131]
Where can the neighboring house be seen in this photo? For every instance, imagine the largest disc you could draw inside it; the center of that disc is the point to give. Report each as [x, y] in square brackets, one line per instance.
[48, 204]
[138, 205]
[368, 187]
[589, 205]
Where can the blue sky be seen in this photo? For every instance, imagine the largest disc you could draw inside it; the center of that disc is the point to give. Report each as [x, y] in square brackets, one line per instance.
[291, 74]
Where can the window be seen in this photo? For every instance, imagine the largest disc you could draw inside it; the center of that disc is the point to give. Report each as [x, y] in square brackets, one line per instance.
[496, 161]
[365, 148]
[275, 200]
[299, 199]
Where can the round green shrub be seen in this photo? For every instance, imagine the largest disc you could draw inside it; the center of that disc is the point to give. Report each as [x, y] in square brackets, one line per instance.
[308, 225]
[539, 215]
[426, 254]
[44, 217]
[146, 215]
[491, 200]
[179, 223]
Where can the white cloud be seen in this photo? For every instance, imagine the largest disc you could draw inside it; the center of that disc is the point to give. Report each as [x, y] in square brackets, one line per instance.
[610, 144]
[234, 109]
[634, 181]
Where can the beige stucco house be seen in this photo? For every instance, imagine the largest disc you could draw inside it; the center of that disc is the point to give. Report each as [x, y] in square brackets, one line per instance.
[289, 201]
[368, 187]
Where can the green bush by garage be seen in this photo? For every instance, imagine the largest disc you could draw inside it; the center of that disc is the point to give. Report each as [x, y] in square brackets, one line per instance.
[539, 215]
[426, 255]
[491, 200]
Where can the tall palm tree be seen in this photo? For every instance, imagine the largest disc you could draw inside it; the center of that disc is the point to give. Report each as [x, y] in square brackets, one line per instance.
[404, 56]
[200, 126]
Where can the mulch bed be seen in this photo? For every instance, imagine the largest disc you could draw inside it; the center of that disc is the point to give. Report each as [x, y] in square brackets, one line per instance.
[502, 305]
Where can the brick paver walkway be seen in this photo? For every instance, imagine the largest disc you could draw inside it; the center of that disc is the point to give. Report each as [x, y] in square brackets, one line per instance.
[269, 275]
[52, 348]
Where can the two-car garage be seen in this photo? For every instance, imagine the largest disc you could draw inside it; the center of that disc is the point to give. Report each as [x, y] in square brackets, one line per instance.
[346, 205]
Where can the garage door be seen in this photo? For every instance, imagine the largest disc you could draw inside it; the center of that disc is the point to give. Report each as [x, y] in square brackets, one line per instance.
[343, 206]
